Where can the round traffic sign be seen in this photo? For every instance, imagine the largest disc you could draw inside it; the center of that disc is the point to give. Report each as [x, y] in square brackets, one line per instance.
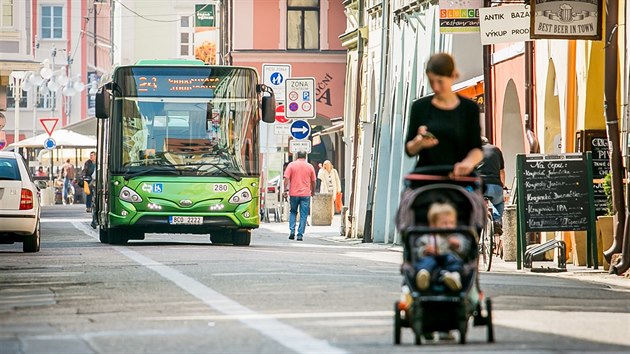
[50, 144]
[293, 96]
[300, 129]
[306, 106]
[293, 106]
[280, 118]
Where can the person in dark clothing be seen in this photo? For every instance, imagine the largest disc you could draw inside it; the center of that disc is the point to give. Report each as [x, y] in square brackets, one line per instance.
[492, 171]
[89, 174]
[444, 128]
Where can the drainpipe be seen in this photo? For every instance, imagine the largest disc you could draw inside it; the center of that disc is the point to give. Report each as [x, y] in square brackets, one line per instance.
[487, 87]
[612, 126]
[621, 241]
[367, 230]
[357, 119]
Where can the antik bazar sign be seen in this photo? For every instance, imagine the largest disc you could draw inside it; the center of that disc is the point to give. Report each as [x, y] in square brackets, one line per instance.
[567, 19]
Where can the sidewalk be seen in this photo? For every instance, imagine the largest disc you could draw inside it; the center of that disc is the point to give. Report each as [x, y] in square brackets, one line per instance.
[332, 233]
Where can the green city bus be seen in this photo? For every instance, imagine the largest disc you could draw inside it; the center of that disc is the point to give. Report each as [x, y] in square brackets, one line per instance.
[178, 150]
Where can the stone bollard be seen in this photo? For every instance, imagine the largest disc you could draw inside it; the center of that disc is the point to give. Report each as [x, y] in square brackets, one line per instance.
[509, 233]
[321, 209]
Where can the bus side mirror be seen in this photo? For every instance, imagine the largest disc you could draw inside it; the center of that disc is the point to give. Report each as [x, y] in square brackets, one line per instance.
[268, 109]
[102, 103]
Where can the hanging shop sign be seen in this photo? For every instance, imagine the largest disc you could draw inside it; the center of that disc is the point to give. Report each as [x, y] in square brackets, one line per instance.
[459, 16]
[566, 19]
[504, 24]
[206, 35]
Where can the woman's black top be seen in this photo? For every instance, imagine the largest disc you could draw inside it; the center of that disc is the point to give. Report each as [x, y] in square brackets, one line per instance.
[457, 130]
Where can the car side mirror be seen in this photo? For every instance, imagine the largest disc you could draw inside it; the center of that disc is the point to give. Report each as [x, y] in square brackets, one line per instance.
[41, 184]
[268, 109]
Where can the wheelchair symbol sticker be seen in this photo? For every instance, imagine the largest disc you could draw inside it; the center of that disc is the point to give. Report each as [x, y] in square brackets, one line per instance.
[152, 188]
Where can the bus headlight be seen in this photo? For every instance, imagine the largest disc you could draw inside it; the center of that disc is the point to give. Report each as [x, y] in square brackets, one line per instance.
[240, 197]
[129, 195]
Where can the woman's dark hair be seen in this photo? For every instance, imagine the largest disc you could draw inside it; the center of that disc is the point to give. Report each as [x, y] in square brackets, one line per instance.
[441, 64]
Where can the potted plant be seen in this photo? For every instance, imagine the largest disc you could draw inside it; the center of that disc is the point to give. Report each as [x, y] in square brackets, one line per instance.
[604, 224]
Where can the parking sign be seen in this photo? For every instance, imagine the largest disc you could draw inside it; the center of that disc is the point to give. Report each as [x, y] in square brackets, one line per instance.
[299, 98]
[275, 76]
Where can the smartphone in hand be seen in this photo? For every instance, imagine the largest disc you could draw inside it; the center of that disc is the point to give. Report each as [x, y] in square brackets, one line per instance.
[428, 135]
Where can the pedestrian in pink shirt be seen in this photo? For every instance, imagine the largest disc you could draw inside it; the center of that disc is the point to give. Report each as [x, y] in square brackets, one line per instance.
[299, 180]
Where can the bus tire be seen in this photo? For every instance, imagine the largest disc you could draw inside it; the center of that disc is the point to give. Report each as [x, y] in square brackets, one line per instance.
[241, 237]
[220, 237]
[103, 235]
[117, 237]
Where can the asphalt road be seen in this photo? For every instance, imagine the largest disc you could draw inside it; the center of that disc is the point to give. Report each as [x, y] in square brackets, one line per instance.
[181, 294]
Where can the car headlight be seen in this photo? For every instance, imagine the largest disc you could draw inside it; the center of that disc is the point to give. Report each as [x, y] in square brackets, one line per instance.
[129, 195]
[242, 196]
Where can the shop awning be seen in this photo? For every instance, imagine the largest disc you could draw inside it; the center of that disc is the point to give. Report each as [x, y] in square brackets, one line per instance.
[84, 127]
[470, 88]
[62, 137]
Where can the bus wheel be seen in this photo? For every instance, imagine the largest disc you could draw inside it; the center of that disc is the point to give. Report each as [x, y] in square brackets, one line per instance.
[219, 237]
[117, 237]
[103, 235]
[241, 237]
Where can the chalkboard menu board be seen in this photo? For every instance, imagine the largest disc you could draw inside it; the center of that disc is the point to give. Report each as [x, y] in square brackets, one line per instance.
[596, 141]
[556, 193]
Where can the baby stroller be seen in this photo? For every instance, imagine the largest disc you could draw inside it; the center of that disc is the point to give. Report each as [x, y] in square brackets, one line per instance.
[439, 309]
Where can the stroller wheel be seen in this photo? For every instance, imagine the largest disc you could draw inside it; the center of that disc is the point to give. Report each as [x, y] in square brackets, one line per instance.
[418, 339]
[490, 329]
[397, 323]
[463, 328]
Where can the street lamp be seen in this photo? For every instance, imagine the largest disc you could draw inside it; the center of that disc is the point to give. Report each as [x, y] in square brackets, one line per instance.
[16, 83]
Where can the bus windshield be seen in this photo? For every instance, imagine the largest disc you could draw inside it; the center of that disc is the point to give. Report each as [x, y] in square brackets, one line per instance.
[196, 121]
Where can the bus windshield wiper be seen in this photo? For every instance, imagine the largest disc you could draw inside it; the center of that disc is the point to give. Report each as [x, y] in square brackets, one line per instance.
[213, 164]
[143, 161]
[128, 175]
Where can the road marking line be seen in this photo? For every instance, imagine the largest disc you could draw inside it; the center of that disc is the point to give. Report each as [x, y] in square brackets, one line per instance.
[284, 334]
[305, 315]
[65, 220]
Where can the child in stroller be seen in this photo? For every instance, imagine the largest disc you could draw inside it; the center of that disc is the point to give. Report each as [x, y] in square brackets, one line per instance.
[447, 250]
[438, 306]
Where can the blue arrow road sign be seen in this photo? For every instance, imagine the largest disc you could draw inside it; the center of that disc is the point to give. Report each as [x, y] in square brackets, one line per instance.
[50, 143]
[300, 129]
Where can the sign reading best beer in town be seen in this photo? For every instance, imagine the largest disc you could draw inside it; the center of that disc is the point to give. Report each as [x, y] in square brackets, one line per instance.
[566, 19]
[457, 16]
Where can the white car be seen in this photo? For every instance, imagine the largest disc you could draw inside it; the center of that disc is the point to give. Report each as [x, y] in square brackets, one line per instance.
[19, 203]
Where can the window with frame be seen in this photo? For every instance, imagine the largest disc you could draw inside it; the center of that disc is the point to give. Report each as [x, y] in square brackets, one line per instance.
[11, 99]
[303, 24]
[186, 37]
[52, 22]
[46, 100]
[6, 13]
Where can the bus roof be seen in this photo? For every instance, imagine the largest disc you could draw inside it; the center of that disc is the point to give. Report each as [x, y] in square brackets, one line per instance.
[168, 62]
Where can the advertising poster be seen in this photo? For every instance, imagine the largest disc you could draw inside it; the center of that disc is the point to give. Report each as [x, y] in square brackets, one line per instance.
[206, 33]
[459, 16]
[566, 19]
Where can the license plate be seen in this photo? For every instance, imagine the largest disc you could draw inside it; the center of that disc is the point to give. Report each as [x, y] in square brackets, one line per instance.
[185, 220]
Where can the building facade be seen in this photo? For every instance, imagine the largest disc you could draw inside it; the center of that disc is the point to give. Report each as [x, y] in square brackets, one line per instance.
[51, 33]
[389, 43]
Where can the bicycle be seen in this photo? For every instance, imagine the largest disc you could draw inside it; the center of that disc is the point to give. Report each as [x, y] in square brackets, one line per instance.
[486, 249]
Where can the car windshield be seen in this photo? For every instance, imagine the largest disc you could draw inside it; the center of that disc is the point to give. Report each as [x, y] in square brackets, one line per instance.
[9, 170]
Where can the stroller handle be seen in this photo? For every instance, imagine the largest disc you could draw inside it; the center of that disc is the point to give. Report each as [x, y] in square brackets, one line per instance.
[425, 230]
[440, 173]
